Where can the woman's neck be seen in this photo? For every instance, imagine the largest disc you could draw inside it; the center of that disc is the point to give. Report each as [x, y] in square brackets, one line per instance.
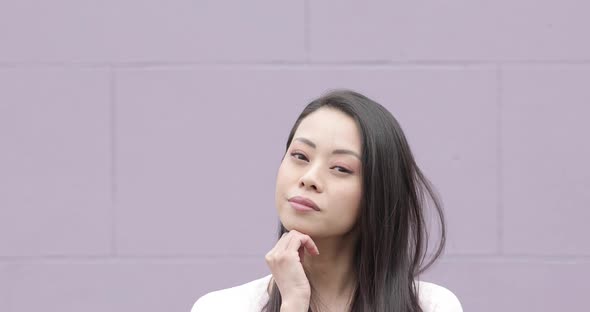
[332, 272]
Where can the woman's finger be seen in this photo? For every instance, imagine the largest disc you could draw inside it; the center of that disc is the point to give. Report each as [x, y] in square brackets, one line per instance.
[281, 244]
[300, 239]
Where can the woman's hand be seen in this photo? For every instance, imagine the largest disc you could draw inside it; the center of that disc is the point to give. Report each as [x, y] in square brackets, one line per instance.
[285, 262]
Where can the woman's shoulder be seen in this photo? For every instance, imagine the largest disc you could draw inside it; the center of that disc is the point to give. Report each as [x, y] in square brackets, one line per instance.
[245, 297]
[251, 296]
[436, 298]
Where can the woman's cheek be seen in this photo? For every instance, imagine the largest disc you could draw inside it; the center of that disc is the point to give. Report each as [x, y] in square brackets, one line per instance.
[353, 197]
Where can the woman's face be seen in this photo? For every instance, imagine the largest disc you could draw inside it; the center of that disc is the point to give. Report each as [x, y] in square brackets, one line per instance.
[330, 179]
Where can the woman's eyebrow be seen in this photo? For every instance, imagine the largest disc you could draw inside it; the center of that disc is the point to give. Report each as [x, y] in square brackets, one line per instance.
[336, 151]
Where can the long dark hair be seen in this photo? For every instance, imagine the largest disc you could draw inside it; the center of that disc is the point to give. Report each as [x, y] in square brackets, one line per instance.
[393, 238]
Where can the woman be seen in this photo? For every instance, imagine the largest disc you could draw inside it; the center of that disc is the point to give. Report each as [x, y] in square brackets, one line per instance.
[352, 234]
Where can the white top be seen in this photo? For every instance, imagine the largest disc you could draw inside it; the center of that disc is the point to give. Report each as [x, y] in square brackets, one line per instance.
[252, 296]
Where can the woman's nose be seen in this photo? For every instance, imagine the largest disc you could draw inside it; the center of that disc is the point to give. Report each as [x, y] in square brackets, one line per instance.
[310, 180]
[309, 185]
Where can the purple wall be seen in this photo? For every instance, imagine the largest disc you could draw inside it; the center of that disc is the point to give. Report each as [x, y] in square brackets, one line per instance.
[140, 141]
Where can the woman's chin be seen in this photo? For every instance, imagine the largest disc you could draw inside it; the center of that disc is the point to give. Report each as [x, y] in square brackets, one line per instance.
[302, 226]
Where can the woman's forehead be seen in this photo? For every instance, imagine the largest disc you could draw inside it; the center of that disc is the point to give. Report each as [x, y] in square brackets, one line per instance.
[329, 128]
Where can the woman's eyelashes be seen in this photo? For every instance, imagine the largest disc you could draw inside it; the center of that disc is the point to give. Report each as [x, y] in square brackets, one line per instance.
[295, 154]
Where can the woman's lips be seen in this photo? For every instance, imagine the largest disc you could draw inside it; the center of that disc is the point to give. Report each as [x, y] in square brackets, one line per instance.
[303, 204]
[300, 207]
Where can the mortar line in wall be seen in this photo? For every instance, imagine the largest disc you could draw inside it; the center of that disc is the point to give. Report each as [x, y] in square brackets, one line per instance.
[307, 30]
[238, 257]
[300, 63]
[296, 63]
[113, 154]
[500, 164]
[67, 258]
[516, 257]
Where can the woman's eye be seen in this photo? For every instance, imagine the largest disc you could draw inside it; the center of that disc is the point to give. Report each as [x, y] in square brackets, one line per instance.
[296, 154]
[344, 170]
[302, 157]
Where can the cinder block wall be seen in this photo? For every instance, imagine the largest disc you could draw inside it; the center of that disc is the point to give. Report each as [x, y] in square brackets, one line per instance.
[140, 141]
